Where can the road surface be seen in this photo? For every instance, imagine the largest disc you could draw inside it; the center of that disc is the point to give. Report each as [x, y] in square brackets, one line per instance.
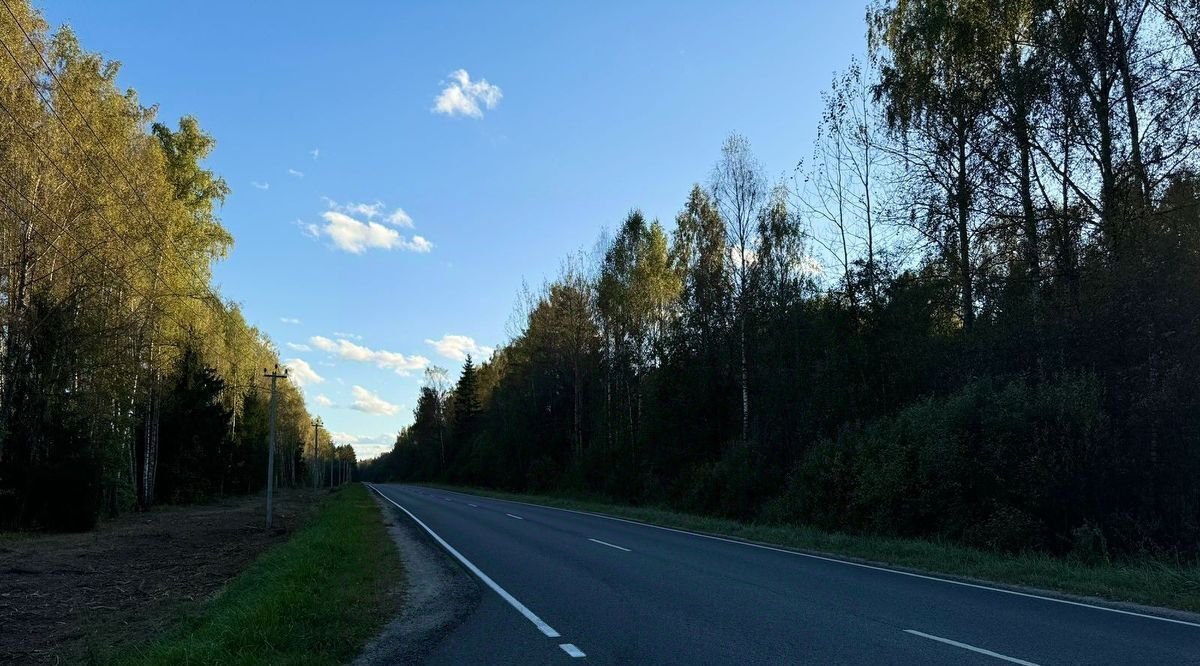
[562, 586]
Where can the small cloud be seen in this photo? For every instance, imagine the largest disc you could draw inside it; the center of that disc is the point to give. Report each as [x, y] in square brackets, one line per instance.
[289, 320]
[399, 218]
[458, 346]
[295, 174]
[420, 245]
[370, 211]
[294, 346]
[353, 228]
[350, 351]
[302, 373]
[462, 97]
[323, 400]
[370, 403]
[315, 152]
[351, 336]
[261, 186]
[366, 446]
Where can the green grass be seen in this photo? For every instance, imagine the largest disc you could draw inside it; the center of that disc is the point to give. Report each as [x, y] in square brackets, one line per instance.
[1148, 582]
[314, 599]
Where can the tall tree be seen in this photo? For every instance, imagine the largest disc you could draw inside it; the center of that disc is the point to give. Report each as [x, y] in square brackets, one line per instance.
[739, 191]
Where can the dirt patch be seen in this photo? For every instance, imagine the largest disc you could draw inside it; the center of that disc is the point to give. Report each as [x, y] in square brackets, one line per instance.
[66, 598]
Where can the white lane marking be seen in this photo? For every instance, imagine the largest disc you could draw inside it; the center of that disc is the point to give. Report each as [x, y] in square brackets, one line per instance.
[610, 545]
[473, 505]
[512, 601]
[972, 648]
[860, 565]
[570, 649]
[512, 516]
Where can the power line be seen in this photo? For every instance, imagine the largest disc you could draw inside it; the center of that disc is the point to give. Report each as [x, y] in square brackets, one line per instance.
[137, 292]
[100, 142]
[88, 124]
[99, 209]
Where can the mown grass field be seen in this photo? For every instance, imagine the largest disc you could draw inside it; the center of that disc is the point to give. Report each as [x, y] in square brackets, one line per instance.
[315, 599]
[1149, 582]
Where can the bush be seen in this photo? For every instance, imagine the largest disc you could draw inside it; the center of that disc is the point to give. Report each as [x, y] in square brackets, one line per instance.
[991, 465]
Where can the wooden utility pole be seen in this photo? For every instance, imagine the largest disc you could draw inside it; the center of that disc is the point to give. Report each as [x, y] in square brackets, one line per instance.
[271, 441]
[316, 449]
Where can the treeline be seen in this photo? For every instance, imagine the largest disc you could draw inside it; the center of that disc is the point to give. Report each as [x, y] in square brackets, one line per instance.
[125, 379]
[973, 313]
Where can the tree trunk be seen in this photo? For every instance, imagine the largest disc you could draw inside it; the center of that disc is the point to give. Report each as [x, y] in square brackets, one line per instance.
[962, 222]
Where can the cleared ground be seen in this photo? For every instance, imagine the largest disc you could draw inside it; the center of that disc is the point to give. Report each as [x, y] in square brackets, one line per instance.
[68, 598]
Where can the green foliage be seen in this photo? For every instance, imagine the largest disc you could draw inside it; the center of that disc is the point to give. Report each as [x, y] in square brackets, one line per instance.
[123, 374]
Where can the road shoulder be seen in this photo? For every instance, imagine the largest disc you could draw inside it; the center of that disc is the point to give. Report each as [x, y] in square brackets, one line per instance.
[440, 595]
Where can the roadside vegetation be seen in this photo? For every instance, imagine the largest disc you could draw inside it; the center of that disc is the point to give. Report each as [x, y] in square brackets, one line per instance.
[1154, 583]
[126, 378]
[314, 599]
[969, 317]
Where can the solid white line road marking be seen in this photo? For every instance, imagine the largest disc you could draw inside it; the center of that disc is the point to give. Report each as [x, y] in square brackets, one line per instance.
[861, 565]
[570, 649]
[512, 516]
[972, 648]
[512, 601]
[610, 545]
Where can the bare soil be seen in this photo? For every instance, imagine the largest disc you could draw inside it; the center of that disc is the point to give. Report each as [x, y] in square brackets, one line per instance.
[75, 598]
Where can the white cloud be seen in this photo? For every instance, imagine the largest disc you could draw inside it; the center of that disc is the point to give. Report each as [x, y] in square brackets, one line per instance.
[366, 446]
[289, 320]
[297, 174]
[295, 346]
[370, 403]
[399, 218]
[462, 96]
[396, 218]
[350, 351]
[458, 346]
[353, 228]
[261, 186]
[315, 152]
[323, 400]
[352, 336]
[356, 237]
[302, 373]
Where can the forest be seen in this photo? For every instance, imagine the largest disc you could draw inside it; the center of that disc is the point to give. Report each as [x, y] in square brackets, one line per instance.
[126, 379]
[971, 313]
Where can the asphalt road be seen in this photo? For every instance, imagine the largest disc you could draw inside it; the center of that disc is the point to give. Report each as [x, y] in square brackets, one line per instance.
[561, 586]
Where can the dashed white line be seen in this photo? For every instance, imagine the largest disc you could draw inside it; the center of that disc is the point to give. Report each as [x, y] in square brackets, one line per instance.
[473, 505]
[570, 649]
[861, 565]
[972, 648]
[610, 545]
[512, 516]
[512, 601]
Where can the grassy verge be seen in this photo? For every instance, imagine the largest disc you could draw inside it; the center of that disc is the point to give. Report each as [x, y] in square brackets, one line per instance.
[1148, 582]
[315, 599]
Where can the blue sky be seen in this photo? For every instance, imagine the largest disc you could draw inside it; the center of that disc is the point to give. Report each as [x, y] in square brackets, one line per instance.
[321, 111]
